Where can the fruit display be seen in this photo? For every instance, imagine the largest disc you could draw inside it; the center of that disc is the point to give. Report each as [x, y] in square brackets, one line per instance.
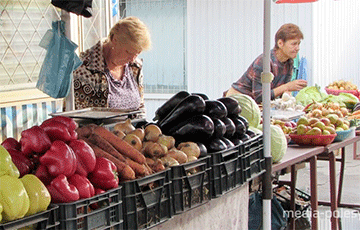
[342, 85]
[66, 165]
[286, 126]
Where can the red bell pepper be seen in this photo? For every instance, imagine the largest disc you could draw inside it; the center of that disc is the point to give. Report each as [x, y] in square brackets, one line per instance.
[83, 185]
[23, 163]
[43, 174]
[62, 191]
[57, 130]
[69, 122]
[35, 140]
[11, 143]
[59, 159]
[104, 175]
[86, 159]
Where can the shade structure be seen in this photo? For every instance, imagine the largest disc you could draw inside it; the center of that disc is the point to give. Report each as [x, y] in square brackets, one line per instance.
[294, 1]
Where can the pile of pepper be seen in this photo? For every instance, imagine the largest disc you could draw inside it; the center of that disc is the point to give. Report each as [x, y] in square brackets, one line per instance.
[66, 165]
[19, 197]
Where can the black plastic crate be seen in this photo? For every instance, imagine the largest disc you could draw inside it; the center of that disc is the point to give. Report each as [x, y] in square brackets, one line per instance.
[252, 158]
[190, 184]
[147, 201]
[47, 219]
[226, 171]
[103, 211]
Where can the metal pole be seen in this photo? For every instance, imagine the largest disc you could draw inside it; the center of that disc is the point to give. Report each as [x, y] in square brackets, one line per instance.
[266, 80]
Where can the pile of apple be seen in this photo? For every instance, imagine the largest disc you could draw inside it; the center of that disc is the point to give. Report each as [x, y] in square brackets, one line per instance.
[286, 126]
[323, 119]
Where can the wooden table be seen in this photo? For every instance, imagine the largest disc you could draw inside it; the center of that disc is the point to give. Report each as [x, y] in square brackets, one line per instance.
[335, 196]
[296, 154]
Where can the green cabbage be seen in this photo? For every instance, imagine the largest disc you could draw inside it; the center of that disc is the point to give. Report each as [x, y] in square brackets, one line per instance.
[278, 143]
[309, 94]
[249, 109]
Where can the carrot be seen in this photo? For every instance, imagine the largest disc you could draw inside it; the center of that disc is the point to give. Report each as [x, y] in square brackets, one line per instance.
[106, 146]
[120, 145]
[125, 171]
[139, 169]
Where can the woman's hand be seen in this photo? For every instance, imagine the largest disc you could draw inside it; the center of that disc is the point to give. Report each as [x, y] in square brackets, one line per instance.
[296, 85]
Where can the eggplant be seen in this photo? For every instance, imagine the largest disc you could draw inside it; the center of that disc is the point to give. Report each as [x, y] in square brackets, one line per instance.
[236, 141]
[204, 96]
[203, 149]
[230, 127]
[215, 109]
[251, 133]
[240, 127]
[169, 105]
[244, 120]
[228, 143]
[197, 128]
[215, 145]
[190, 106]
[219, 127]
[232, 105]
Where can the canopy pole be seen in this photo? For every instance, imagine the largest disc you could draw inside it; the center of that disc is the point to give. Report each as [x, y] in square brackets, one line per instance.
[266, 78]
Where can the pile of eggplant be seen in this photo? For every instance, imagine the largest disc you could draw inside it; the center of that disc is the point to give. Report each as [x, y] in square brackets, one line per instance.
[215, 125]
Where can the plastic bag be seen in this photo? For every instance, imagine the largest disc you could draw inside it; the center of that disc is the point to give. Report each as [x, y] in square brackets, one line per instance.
[78, 7]
[55, 76]
[279, 217]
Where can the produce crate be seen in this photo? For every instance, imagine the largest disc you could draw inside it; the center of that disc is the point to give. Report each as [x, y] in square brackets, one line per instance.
[147, 201]
[190, 184]
[103, 211]
[43, 220]
[252, 158]
[226, 171]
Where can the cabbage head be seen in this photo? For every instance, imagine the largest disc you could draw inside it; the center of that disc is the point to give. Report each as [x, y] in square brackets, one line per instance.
[249, 109]
[278, 143]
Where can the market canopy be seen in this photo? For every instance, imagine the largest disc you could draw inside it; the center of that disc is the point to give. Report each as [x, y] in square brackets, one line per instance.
[293, 1]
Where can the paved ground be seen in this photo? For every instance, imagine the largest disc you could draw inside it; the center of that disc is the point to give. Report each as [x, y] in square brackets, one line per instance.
[350, 218]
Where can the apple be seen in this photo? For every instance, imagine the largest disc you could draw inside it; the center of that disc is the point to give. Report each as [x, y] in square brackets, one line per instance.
[303, 120]
[301, 129]
[313, 120]
[325, 120]
[314, 131]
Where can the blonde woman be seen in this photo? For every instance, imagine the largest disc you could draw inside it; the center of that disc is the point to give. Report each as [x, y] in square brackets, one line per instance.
[111, 73]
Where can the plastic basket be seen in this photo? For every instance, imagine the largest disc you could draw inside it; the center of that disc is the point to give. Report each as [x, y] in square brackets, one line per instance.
[190, 184]
[337, 92]
[252, 157]
[226, 171]
[103, 211]
[315, 140]
[47, 219]
[342, 135]
[147, 201]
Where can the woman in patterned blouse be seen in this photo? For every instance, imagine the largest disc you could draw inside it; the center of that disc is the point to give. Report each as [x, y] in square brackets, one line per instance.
[111, 73]
[287, 46]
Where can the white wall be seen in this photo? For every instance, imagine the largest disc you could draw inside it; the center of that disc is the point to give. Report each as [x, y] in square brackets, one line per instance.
[225, 36]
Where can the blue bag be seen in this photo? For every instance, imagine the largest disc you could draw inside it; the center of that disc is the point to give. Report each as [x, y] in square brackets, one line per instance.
[55, 76]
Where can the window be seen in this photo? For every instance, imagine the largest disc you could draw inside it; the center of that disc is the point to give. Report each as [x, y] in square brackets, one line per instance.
[23, 23]
[165, 63]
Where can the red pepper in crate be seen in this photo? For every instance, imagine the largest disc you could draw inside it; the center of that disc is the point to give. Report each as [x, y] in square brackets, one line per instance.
[57, 130]
[59, 159]
[35, 140]
[104, 175]
[11, 143]
[69, 122]
[86, 159]
[83, 185]
[43, 174]
[62, 191]
[21, 162]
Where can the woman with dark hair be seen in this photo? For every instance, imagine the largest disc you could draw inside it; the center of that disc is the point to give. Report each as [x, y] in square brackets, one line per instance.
[287, 46]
